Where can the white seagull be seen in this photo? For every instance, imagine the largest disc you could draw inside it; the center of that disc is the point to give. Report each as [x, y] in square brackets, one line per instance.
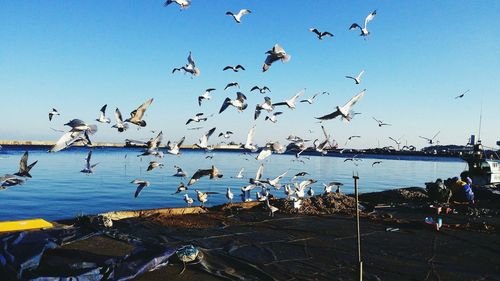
[102, 117]
[179, 172]
[229, 195]
[88, 169]
[262, 90]
[276, 53]
[344, 111]
[266, 105]
[239, 103]
[190, 67]
[188, 200]
[52, 113]
[241, 13]
[205, 96]
[184, 4]
[273, 117]
[292, 101]
[174, 148]
[357, 79]
[197, 118]
[234, 68]
[364, 30]
[120, 125]
[141, 184]
[311, 99]
[203, 141]
[249, 142]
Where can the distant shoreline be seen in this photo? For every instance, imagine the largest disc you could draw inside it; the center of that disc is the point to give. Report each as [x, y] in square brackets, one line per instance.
[376, 153]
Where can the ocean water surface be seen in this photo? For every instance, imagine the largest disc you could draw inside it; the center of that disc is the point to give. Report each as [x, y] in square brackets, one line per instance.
[59, 190]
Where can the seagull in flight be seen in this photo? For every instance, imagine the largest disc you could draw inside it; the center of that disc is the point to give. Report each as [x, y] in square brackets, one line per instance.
[430, 140]
[226, 135]
[273, 117]
[197, 118]
[262, 90]
[174, 148]
[462, 95]
[120, 125]
[344, 111]
[136, 115]
[52, 113]
[232, 84]
[398, 141]
[154, 165]
[291, 102]
[266, 105]
[180, 188]
[141, 184]
[376, 162]
[205, 96]
[213, 173]
[24, 168]
[179, 172]
[356, 79]
[88, 169]
[203, 141]
[240, 174]
[364, 30]
[276, 53]
[311, 99]
[102, 117]
[380, 123]
[320, 34]
[249, 142]
[153, 146]
[350, 138]
[184, 4]
[239, 103]
[234, 68]
[241, 13]
[190, 67]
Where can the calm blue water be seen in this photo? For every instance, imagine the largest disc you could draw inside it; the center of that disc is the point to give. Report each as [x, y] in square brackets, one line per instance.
[58, 189]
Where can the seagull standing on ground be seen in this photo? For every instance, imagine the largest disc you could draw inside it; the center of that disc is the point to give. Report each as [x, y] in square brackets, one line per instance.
[24, 168]
[344, 111]
[276, 53]
[356, 79]
[271, 208]
[52, 113]
[229, 195]
[88, 169]
[188, 200]
[320, 34]
[364, 30]
[205, 96]
[203, 196]
[102, 117]
[241, 13]
[120, 125]
[136, 115]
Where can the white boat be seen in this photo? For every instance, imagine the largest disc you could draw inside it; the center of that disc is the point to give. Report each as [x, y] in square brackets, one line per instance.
[482, 170]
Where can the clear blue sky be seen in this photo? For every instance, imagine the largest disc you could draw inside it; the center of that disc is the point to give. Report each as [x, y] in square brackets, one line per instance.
[79, 55]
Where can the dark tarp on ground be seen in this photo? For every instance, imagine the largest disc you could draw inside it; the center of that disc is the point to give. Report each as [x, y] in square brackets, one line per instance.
[21, 253]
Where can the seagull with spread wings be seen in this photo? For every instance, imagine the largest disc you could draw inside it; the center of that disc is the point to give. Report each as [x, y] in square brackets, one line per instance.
[292, 101]
[52, 113]
[239, 103]
[364, 30]
[275, 54]
[137, 115]
[102, 116]
[234, 68]
[184, 4]
[320, 34]
[262, 90]
[241, 13]
[203, 141]
[344, 111]
[430, 140]
[213, 173]
[356, 79]
[205, 96]
[190, 67]
[89, 168]
[120, 125]
[381, 123]
[24, 168]
[197, 118]
[266, 105]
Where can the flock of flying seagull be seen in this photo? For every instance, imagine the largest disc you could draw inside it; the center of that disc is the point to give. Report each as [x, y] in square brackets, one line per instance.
[80, 132]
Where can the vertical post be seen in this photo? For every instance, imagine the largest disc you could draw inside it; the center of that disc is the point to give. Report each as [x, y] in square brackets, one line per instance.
[360, 262]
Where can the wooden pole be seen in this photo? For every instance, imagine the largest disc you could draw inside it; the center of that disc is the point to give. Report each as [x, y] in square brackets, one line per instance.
[360, 262]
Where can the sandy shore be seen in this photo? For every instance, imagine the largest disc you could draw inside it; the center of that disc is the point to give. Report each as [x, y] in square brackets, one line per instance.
[241, 241]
